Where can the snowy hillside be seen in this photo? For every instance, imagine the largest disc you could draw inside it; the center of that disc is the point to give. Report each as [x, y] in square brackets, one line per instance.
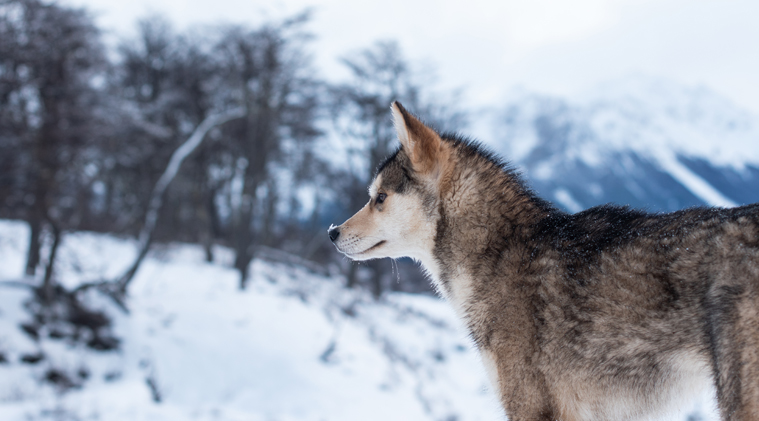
[645, 142]
[294, 346]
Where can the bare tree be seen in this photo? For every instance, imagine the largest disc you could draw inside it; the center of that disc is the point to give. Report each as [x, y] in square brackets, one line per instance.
[272, 78]
[158, 115]
[49, 57]
[171, 81]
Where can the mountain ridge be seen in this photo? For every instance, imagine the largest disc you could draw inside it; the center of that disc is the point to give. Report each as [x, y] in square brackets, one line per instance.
[645, 142]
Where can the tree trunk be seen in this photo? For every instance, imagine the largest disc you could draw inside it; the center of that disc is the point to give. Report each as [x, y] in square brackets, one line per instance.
[378, 272]
[204, 220]
[48, 290]
[244, 240]
[242, 264]
[33, 253]
[266, 237]
[351, 277]
[213, 230]
[207, 241]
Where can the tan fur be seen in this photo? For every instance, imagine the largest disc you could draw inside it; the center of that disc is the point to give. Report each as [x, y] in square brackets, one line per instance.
[362, 233]
[607, 314]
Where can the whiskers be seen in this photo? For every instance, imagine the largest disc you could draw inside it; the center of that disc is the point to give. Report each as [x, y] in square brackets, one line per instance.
[353, 246]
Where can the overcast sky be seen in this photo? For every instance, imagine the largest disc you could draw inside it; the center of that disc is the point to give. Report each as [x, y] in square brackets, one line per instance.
[488, 47]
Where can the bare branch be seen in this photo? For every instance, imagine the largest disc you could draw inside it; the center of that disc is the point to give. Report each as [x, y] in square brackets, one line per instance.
[156, 199]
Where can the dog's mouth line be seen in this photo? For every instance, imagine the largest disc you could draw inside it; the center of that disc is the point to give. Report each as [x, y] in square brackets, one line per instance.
[381, 242]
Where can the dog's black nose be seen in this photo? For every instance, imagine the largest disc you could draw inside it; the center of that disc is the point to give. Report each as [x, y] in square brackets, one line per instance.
[333, 232]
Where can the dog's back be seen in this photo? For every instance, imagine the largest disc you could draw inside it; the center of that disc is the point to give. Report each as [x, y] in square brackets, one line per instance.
[632, 310]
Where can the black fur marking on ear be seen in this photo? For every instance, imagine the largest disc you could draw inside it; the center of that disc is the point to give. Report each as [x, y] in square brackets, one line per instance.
[387, 161]
[396, 172]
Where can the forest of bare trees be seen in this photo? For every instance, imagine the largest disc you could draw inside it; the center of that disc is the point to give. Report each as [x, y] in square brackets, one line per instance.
[224, 135]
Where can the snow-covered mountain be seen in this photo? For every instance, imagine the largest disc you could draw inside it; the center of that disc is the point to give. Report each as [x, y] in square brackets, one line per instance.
[644, 142]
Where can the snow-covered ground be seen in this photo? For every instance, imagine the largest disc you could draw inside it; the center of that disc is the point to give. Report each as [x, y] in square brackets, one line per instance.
[294, 346]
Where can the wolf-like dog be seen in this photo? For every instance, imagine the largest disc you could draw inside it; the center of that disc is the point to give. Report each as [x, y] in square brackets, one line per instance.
[606, 314]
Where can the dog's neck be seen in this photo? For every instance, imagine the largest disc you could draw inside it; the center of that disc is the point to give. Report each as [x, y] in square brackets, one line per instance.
[487, 215]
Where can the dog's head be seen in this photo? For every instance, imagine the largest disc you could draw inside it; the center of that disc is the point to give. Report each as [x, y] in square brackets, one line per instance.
[400, 219]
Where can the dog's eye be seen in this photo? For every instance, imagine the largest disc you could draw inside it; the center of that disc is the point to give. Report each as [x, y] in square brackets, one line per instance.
[381, 198]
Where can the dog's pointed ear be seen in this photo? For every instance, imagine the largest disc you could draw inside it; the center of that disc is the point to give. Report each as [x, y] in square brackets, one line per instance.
[422, 144]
